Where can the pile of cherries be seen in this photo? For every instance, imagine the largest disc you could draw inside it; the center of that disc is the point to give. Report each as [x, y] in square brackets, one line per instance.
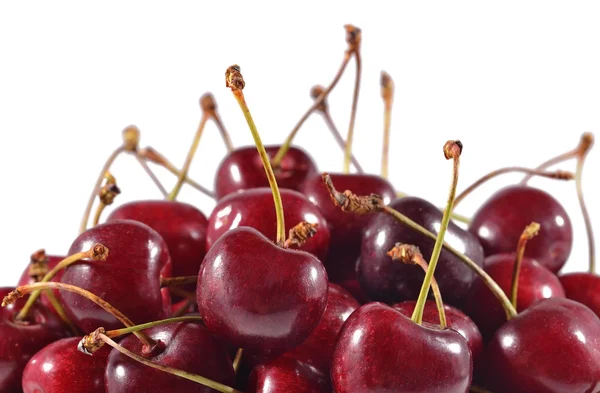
[292, 286]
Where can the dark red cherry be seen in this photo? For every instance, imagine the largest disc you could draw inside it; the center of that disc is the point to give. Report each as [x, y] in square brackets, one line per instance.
[583, 288]
[392, 281]
[242, 169]
[346, 228]
[259, 296]
[27, 279]
[456, 320]
[317, 349]
[535, 283]
[499, 223]
[552, 347]
[19, 341]
[182, 226]
[185, 346]
[287, 375]
[60, 368]
[255, 208]
[381, 350]
[129, 278]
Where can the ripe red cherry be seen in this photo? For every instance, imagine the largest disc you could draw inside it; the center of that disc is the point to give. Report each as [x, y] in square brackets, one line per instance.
[499, 223]
[456, 320]
[182, 227]
[60, 367]
[346, 228]
[583, 288]
[26, 279]
[185, 346]
[317, 349]
[129, 278]
[258, 295]
[552, 347]
[381, 350]
[391, 281]
[255, 208]
[242, 169]
[287, 375]
[21, 340]
[535, 283]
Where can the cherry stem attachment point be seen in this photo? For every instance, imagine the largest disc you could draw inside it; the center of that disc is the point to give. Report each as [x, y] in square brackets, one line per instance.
[528, 233]
[177, 281]
[387, 93]
[299, 234]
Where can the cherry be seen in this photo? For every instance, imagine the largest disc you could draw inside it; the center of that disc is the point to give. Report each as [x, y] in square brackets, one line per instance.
[456, 319]
[242, 169]
[129, 278]
[259, 296]
[21, 340]
[552, 347]
[287, 375]
[60, 367]
[379, 349]
[391, 281]
[583, 288]
[27, 279]
[499, 221]
[535, 283]
[346, 229]
[317, 349]
[186, 346]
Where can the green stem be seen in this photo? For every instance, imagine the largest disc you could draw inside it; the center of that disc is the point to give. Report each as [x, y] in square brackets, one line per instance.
[144, 326]
[61, 312]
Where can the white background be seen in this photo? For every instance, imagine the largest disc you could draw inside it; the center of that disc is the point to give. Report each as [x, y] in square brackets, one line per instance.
[517, 82]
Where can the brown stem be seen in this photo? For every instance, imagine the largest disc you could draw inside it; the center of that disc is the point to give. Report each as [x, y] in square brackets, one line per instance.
[528, 233]
[587, 141]
[209, 106]
[62, 314]
[299, 234]
[177, 281]
[410, 254]
[387, 93]
[560, 175]
[238, 359]
[355, 38]
[38, 265]
[150, 174]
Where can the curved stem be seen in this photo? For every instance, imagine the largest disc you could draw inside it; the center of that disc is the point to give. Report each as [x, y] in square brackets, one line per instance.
[350, 137]
[180, 373]
[338, 138]
[61, 311]
[452, 150]
[276, 161]
[528, 233]
[150, 174]
[551, 162]
[561, 175]
[176, 281]
[188, 160]
[586, 215]
[105, 168]
[238, 359]
[98, 213]
[224, 134]
[144, 326]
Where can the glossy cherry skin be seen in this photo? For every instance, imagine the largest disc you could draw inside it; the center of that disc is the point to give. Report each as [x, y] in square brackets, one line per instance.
[182, 227]
[20, 341]
[346, 228]
[552, 347]
[500, 221]
[26, 279]
[456, 320]
[129, 278]
[287, 375]
[317, 349]
[255, 208]
[185, 346]
[259, 296]
[535, 283]
[583, 288]
[60, 367]
[242, 169]
[381, 350]
[392, 281]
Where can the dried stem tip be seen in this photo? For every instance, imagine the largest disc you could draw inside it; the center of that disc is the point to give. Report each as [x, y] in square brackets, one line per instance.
[350, 202]
[315, 93]
[11, 297]
[234, 78]
[353, 37]
[99, 252]
[530, 231]
[452, 149]
[108, 193]
[585, 143]
[299, 234]
[208, 103]
[38, 265]
[387, 86]
[92, 342]
[404, 253]
[131, 138]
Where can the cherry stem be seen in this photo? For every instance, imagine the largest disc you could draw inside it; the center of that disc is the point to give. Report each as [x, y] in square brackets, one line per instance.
[528, 233]
[300, 233]
[350, 136]
[559, 175]
[238, 359]
[25, 289]
[235, 81]
[184, 309]
[452, 150]
[209, 107]
[61, 311]
[387, 93]
[410, 254]
[98, 252]
[589, 138]
[154, 156]
[188, 160]
[224, 134]
[176, 281]
[182, 293]
[107, 195]
[180, 373]
[150, 174]
[136, 328]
